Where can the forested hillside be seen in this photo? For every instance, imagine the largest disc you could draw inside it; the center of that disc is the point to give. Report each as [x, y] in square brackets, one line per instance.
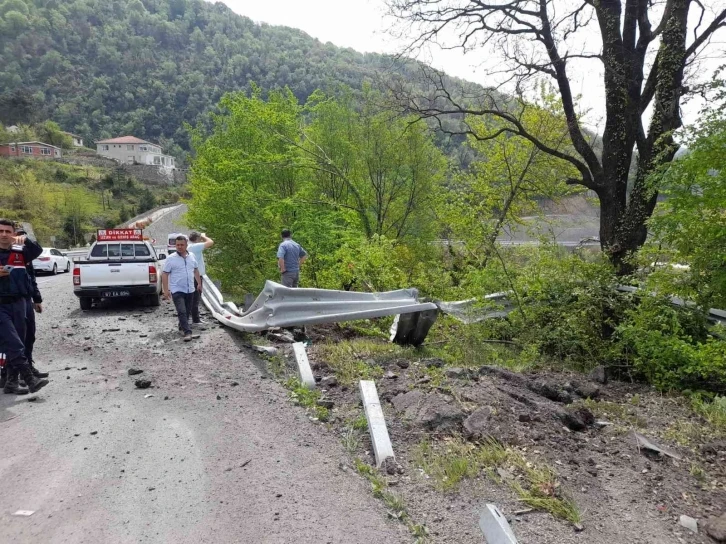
[146, 67]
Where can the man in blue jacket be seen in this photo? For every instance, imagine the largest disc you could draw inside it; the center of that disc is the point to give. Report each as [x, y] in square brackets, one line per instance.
[15, 287]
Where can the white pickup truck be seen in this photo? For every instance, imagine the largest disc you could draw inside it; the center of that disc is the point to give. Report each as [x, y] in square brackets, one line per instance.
[118, 265]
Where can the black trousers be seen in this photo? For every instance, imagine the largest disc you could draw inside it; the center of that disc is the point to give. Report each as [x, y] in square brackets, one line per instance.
[183, 304]
[30, 330]
[13, 326]
[195, 302]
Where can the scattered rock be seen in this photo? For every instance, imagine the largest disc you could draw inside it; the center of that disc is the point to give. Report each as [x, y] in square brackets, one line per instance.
[550, 391]
[234, 384]
[433, 363]
[577, 419]
[689, 523]
[390, 375]
[391, 467]
[402, 363]
[110, 330]
[599, 375]
[430, 411]
[587, 390]
[143, 384]
[135, 371]
[714, 448]
[476, 424]
[525, 418]
[716, 528]
[219, 398]
[325, 403]
[94, 433]
[456, 373]
[329, 381]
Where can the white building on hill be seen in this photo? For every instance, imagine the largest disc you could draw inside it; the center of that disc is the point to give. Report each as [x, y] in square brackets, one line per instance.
[132, 150]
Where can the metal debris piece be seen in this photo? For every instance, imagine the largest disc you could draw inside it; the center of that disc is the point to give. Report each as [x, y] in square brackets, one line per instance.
[644, 443]
[24, 513]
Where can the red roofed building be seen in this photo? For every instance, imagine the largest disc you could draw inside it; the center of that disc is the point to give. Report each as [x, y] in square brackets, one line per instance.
[30, 150]
[133, 150]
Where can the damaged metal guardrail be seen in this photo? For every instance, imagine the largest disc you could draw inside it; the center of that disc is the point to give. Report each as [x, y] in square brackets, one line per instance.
[279, 306]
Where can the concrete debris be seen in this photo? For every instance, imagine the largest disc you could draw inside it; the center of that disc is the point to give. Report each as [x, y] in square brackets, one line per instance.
[143, 384]
[689, 523]
[135, 371]
[644, 443]
[24, 513]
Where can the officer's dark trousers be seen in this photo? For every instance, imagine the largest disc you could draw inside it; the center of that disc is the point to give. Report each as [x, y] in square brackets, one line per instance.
[30, 329]
[13, 326]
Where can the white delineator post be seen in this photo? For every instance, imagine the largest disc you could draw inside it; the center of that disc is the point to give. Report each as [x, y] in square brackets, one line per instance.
[495, 526]
[376, 423]
[303, 365]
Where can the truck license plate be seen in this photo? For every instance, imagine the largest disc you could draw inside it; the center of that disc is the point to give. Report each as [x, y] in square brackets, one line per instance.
[109, 294]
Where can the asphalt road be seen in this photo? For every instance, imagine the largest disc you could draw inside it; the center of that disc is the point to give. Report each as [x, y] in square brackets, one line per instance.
[200, 460]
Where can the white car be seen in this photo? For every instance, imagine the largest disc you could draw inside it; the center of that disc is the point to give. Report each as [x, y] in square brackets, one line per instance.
[53, 261]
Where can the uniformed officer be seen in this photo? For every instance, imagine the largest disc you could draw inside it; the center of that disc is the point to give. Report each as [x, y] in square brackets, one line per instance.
[15, 287]
[34, 304]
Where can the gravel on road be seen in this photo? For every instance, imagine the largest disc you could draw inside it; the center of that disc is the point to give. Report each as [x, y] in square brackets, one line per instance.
[211, 452]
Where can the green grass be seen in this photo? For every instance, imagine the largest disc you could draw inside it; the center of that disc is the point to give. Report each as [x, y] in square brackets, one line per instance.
[451, 461]
[307, 398]
[348, 359]
[622, 413]
[714, 412]
[394, 502]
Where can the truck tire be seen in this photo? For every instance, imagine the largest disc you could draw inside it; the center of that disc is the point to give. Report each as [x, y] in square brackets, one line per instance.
[86, 303]
[153, 300]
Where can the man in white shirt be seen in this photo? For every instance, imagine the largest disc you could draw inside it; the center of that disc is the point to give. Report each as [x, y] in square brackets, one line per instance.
[199, 242]
[179, 281]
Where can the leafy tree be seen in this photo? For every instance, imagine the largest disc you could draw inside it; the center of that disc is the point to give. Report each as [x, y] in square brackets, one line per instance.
[644, 66]
[692, 220]
[508, 175]
[147, 201]
[334, 171]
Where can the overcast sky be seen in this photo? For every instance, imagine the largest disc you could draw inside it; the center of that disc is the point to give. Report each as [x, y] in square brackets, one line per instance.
[363, 26]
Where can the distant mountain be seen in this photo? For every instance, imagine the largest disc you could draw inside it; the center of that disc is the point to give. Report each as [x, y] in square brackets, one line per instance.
[101, 68]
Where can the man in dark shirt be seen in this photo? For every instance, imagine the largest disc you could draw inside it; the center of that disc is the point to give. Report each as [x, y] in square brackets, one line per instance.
[15, 287]
[34, 304]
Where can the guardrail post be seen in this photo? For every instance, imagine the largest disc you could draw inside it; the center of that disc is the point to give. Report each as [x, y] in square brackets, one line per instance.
[382, 447]
[303, 365]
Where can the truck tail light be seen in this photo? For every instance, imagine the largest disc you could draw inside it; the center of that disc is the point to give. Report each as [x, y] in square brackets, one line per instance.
[76, 275]
[44, 259]
[152, 273]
